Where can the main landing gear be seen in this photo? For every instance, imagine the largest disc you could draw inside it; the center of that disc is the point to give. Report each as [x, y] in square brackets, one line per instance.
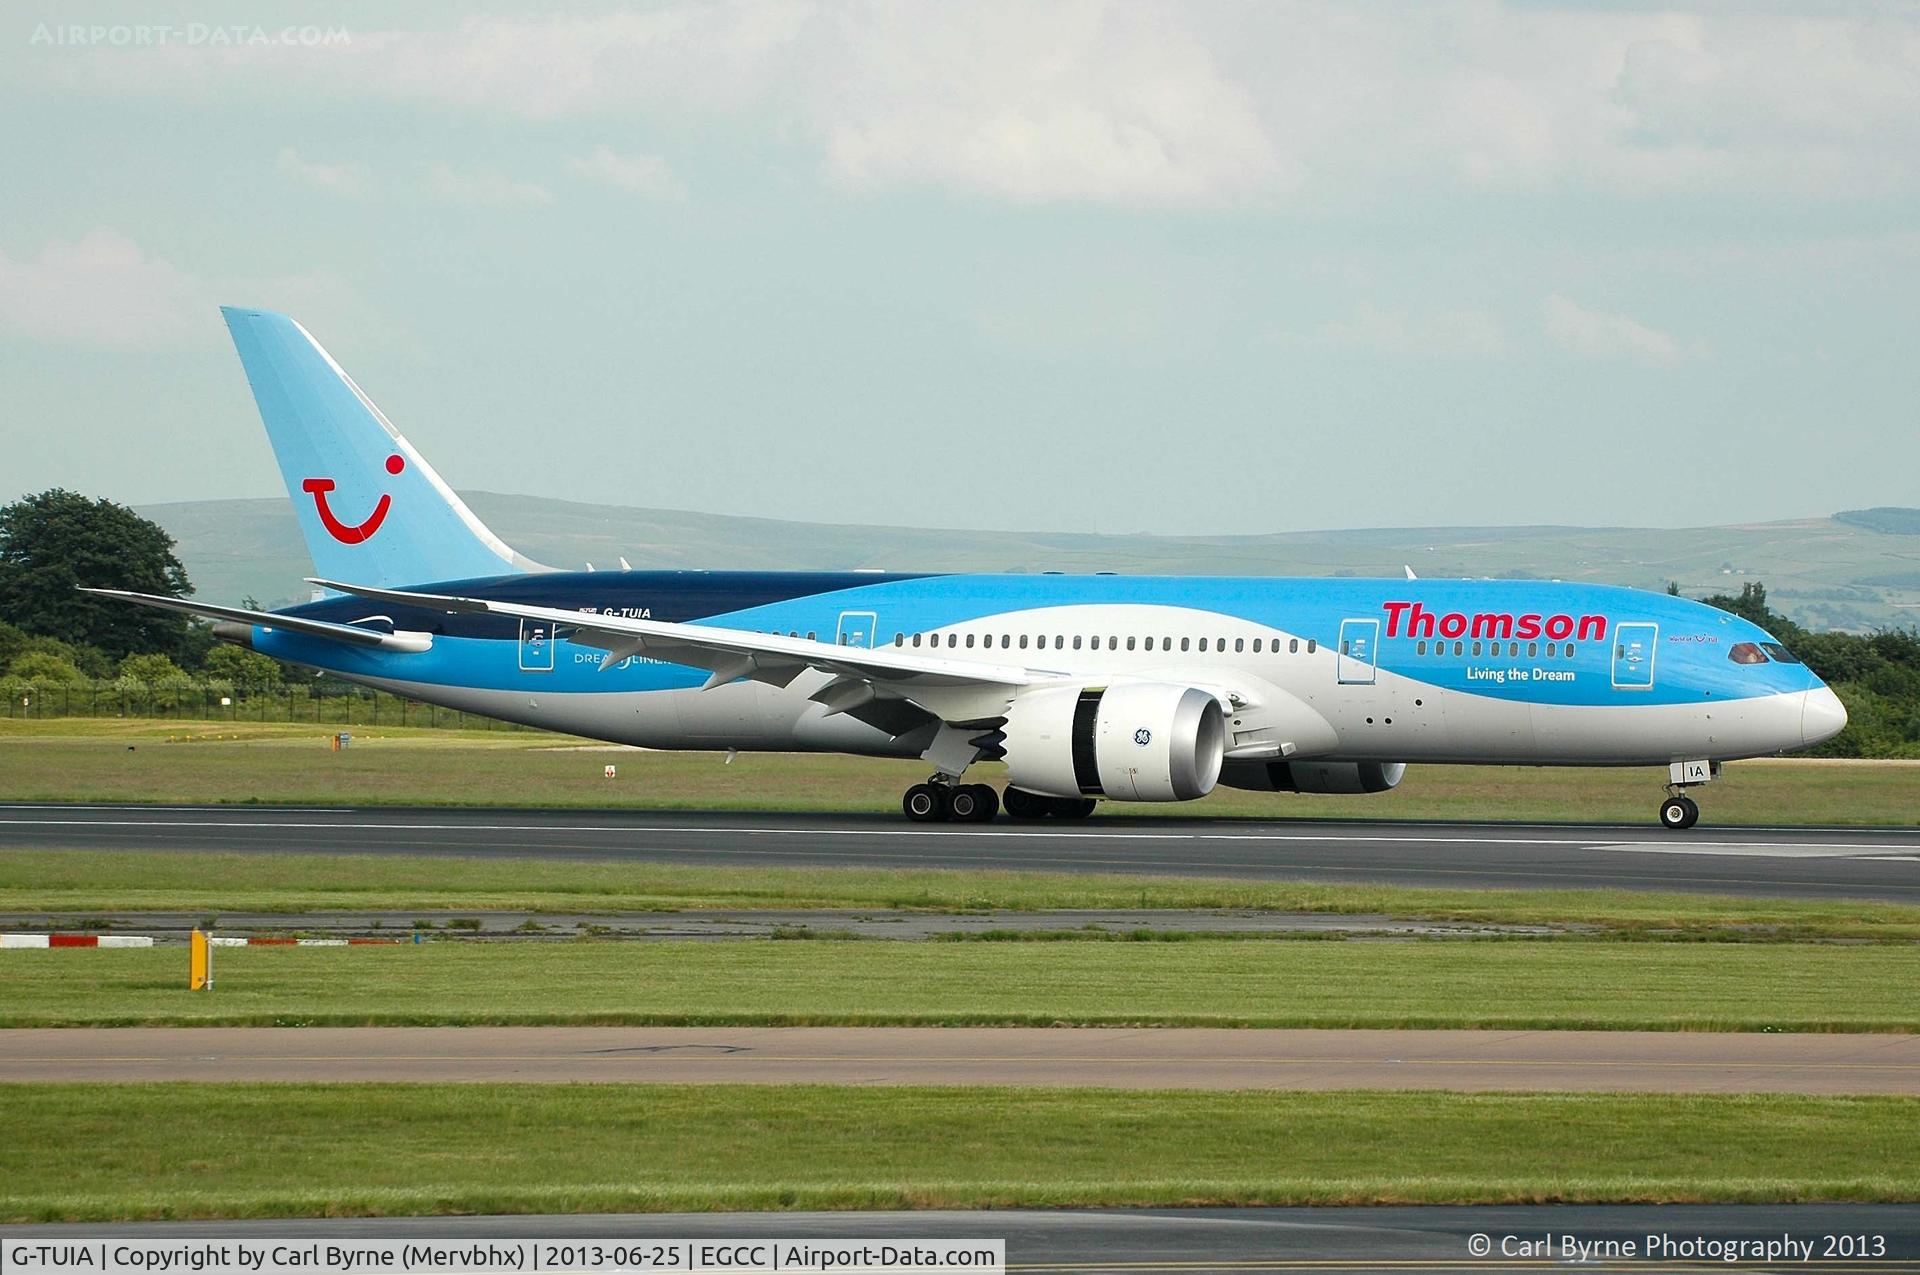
[940, 800]
[1678, 812]
[937, 802]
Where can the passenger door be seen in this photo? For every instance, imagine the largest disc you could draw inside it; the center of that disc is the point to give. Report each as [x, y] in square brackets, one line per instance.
[1634, 647]
[1358, 638]
[536, 646]
[856, 628]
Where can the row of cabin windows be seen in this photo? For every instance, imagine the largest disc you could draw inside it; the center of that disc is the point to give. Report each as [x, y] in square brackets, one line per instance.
[1062, 642]
[1493, 648]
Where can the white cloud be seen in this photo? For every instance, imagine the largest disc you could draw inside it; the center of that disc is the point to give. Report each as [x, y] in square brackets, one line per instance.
[484, 187]
[1601, 334]
[1165, 101]
[103, 290]
[647, 175]
[352, 181]
[1446, 334]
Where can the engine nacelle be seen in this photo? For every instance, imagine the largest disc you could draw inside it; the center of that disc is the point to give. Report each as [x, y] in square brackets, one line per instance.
[1136, 741]
[1313, 776]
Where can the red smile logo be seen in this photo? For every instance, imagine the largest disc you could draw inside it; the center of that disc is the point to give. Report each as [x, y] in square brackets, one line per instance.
[349, 533]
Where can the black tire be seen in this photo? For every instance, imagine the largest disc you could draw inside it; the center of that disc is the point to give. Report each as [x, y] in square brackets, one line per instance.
[974, 803]
[1072, 807]
[1021, 804]
[1677, 814]
[926, 803]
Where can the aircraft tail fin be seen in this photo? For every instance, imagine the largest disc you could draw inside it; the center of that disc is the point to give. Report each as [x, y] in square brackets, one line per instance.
[371, 508]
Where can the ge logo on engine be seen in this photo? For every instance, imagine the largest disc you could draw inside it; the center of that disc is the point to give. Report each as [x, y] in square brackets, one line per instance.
[1143, 737]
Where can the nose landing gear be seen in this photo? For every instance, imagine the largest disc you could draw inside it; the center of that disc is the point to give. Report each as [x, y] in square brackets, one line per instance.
[1678, 812]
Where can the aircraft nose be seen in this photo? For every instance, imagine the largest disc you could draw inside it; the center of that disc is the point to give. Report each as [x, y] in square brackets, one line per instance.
[1822, 716]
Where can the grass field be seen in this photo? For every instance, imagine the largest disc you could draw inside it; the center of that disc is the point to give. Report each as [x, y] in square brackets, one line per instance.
[153, 1151]
[103, 882]
[1207, 983]
[103, 760]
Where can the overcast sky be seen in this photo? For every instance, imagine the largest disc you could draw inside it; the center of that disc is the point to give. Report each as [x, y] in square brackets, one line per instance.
[1111, 267]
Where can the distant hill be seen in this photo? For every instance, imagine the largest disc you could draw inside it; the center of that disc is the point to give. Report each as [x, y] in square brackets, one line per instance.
[1890, 520]
[1839, 572]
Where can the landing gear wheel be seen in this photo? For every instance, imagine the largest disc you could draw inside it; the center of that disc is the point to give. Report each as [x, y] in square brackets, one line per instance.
[974, 803]
[926, 803]
[1072, 807]
[1678, 813]
[1021, 804]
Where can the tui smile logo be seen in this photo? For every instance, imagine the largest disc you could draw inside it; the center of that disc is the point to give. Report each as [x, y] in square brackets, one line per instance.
[351, 533]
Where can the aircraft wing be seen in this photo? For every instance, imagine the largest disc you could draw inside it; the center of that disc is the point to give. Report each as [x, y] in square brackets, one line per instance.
[953, 690]
[352, 634]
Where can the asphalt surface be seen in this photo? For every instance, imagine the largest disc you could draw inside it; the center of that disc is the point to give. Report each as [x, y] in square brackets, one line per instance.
[1421, 1238]
[1121, 1058]
[1781, 862]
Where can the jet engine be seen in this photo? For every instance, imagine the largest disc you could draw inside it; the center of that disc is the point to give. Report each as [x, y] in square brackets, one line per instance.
[1135, 741]
[1313, 776]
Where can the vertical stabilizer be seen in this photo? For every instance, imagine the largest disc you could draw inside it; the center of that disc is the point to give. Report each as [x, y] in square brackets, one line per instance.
[372, 509]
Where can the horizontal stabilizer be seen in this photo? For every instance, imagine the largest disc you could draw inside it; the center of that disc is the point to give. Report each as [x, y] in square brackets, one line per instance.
[351, 634]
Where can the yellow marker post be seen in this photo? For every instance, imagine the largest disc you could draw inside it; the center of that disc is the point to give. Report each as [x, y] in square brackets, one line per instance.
[200, 967]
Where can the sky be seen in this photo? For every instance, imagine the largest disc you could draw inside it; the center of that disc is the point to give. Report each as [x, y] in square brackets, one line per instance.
[1120, 267]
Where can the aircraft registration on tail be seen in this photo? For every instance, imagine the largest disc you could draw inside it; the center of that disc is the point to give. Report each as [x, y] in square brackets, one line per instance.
[1089, 688]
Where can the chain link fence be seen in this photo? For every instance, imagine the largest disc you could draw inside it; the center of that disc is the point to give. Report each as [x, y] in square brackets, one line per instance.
[325, 704]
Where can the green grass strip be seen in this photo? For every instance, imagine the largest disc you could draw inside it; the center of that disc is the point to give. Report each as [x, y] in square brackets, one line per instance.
[87, 881]
[1518, 984]
[111, 1152]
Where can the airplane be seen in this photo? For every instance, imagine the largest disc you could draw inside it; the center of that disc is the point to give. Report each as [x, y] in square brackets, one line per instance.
[1089, 688]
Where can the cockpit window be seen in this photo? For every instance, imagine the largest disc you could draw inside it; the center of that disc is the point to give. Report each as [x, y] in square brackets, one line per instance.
[1747, 653]
[1781, 653]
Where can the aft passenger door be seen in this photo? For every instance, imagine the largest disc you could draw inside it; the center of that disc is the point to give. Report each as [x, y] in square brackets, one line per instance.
[1634, 646]
[536, 646]
[1358, 638]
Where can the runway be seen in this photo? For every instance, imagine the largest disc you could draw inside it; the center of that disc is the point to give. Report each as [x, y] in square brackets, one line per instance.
[1860, 863]
[1116, 1058]
[1398, 1238]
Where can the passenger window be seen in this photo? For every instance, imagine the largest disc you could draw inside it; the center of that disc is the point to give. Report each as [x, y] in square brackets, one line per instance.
[1293, 646]
[1420, 647]
[1185, 643]
[1567, 650]
[1549, 650]
[899, 639]
[1459, 648]
[1203, 644]
[1076, 641]
[1313, 644]
[916, 639]
[811, 636]
[969, 641]
[1006, 641]
[1747, 653]
[1059, 642]
[1533, 650]
[953, 640]
[1166, 644]
[1113, 642]
[1023, 641]
[1476, 648]
[1513, 648]
[1256, 645]
[1781, 653]
[1129, 644]
[1239, 645]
